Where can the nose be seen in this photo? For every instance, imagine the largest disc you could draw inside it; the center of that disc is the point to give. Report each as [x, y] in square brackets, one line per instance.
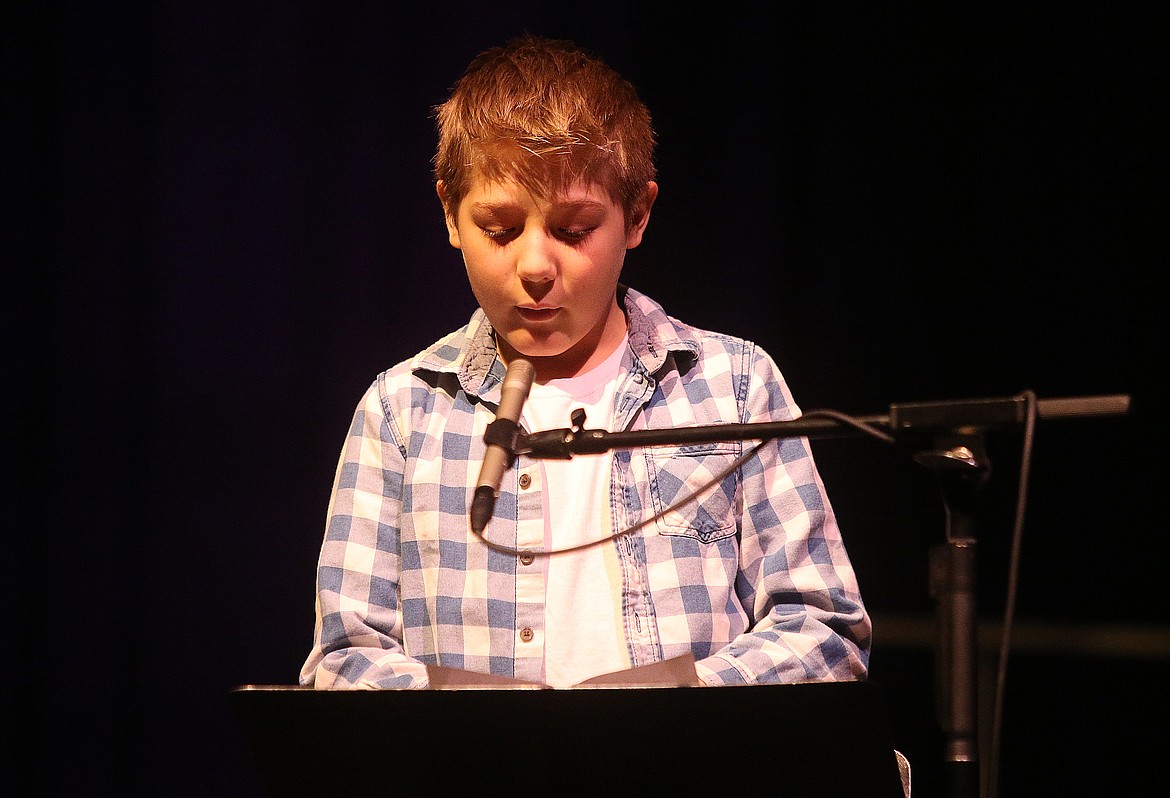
[536, 259]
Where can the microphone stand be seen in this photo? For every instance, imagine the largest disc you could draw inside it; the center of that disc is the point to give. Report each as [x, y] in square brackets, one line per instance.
[947, 437]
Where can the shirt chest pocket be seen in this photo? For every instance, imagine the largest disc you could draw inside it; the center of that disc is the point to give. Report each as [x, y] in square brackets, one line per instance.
[682, 476]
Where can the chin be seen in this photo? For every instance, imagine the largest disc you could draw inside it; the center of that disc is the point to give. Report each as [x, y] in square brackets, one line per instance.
[526, 347]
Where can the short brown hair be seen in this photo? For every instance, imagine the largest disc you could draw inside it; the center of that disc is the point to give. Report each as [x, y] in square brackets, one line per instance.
[547, 113]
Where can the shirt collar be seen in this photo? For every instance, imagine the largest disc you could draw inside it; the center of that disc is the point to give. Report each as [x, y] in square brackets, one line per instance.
[470, 352]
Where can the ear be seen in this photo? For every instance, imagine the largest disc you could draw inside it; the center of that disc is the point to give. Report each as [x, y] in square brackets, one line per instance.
[641, 215]
[448, 214]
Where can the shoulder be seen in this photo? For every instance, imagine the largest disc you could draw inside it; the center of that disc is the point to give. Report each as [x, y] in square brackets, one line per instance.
[461, 359]
[706, 362]
[654, 334]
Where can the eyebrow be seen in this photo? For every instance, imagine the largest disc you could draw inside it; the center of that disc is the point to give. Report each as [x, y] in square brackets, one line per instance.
[581, 204]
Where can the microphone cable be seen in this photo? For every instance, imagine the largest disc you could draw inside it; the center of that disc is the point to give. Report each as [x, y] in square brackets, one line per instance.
[1012, 590]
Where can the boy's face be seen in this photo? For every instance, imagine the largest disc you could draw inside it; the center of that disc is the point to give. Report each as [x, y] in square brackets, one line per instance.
[545, 270]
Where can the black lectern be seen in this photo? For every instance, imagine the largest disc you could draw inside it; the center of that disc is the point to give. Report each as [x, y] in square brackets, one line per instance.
[822, 739]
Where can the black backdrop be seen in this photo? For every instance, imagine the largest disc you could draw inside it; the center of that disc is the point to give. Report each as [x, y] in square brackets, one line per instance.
[219, 226]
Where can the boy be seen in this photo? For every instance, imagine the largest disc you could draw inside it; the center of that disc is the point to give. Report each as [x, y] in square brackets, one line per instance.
[545, 174]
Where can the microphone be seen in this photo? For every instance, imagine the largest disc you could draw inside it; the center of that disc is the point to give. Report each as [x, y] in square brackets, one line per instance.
[500, 436]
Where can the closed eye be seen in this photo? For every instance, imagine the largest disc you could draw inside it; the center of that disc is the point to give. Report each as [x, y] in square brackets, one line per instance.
[574, 234]
[499, 234]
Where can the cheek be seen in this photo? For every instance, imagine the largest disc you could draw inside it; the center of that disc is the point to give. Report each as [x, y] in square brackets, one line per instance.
[486, 279]
[604, 269]
[489, 285]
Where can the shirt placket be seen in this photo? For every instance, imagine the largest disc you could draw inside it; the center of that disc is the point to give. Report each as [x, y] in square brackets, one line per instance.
[530, 572]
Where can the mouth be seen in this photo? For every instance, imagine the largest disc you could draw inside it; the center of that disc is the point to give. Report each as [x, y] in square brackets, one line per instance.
[537, 314]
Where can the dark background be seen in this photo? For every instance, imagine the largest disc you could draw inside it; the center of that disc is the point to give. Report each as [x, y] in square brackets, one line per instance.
[218, 226]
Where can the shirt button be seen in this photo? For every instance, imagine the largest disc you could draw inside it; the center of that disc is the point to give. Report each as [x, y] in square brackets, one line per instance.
[526, 635]
[525, 481]
[527, 559]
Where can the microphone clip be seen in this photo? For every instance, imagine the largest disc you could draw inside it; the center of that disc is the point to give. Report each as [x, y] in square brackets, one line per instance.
[506, 434]
[562, 444]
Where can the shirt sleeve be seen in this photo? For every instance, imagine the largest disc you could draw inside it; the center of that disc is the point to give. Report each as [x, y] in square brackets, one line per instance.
[795, 580]
[358, 621]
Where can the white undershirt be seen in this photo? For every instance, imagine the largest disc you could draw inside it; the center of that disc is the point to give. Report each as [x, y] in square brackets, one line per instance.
[584, 634]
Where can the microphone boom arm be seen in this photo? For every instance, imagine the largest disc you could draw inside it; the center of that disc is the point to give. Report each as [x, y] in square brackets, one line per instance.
[912, 419]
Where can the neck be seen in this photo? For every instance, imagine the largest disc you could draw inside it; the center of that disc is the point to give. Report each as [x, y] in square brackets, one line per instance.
[588, 353]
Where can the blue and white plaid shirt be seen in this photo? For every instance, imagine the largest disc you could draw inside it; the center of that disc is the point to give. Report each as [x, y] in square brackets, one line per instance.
[753, 580]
